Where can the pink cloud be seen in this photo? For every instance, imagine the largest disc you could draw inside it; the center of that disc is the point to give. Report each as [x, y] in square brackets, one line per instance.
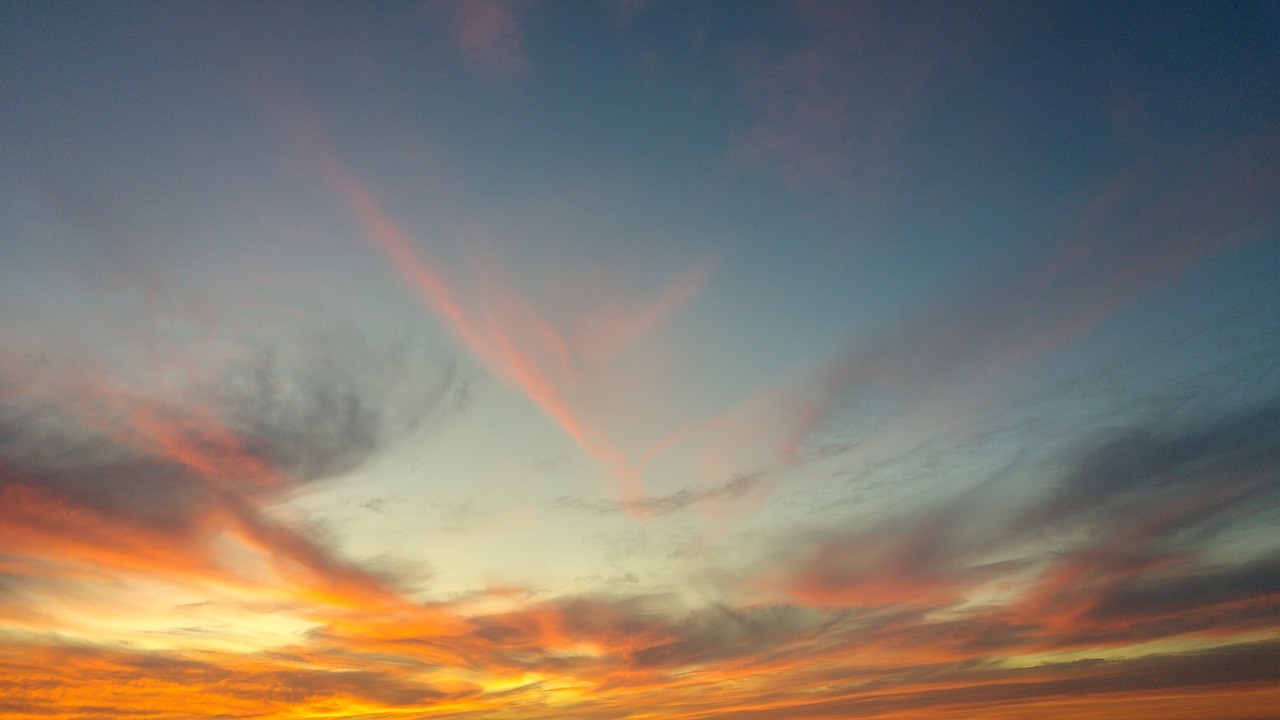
[488, 35]
[514, 338]
[829, 113]
[556, 362]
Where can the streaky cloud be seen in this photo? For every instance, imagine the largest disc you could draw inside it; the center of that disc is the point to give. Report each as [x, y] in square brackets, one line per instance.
[664, 504]
[141, 485]
[1145, 228]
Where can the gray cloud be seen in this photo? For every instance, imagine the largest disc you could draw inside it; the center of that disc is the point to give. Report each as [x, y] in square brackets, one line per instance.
[1121, 541]
[337, 407]
[1147, 597]
[973, 689]
[145, 478]
[1232, 459]
[719, 632]
[657, 505]
[276, 684]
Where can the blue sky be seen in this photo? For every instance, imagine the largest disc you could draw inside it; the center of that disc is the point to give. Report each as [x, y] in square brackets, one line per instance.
[713, 359]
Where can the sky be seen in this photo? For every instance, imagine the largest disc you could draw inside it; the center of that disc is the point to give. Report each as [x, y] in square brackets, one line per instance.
[639, 359]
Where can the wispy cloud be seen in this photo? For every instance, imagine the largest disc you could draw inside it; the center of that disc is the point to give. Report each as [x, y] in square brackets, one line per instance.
[664, 504]
[1145, 228]
[1117, 551]
[970, 514]
[611, 657]
[830, 108]
[1142, 230]
[561, 363]
[489, 35]
[1110, 555]
[514, 338]
[114, 482]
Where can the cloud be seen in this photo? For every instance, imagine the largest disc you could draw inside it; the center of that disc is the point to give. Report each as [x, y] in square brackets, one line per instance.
[614, 655]
[878, 397]
[1048, 691]
[1187, 592]
[1235, 459]
[513, 337]
[489, 35]
[930, 560]
[603, 656]
[104, 682]
[719, 633]
[658, 505]
[1126, 545]
[567, 363]
[100, 480]
[1148, 226]
[831, 106]
[626, 11]
[1153, 504]
[322, 417]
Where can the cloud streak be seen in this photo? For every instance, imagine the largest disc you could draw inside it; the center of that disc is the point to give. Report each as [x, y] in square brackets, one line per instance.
[654, 506]
[1144, 229]
[1116, 552]
[515, 340]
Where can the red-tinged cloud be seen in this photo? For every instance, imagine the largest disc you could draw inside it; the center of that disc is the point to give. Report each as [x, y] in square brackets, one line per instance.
[557, 363]
[1115, 552]
[614, 328]
[619, 656]
[488, 333]
[919, 562]
[58, 537]
[515, 339]
[767, 662]
[917, 615]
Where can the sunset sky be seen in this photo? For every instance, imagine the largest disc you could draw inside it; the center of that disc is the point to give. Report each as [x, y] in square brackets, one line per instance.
[639, 359]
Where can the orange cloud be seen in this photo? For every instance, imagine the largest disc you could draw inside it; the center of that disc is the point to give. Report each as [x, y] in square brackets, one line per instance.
[102, 485]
